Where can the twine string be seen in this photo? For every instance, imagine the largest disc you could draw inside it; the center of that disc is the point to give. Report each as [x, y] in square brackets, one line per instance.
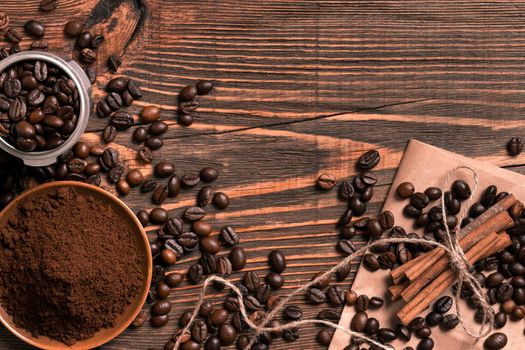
[458, 261]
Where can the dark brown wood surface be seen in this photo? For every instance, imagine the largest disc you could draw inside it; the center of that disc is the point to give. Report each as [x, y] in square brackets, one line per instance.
[303, 87]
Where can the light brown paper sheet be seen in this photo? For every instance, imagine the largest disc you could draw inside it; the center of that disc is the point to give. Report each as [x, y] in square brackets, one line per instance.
[426, 166]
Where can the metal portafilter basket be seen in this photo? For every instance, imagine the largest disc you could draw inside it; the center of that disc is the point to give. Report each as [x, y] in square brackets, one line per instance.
[77, 74]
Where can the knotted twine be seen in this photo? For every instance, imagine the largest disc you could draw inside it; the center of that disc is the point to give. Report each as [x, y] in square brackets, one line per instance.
[457, 261]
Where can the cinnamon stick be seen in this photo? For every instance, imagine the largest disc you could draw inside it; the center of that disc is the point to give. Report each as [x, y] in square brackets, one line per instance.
[417, 305]
[396, 289]
[500, 222]
[413, 268]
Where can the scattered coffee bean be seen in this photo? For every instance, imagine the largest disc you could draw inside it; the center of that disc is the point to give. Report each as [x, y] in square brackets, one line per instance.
[221, 200]
[150, 114]
[204, 196]
[326, 181]
[449, 322]
[274, 280]
[405, 190]
[293, 312]
[368, 160]
[228, 236]
[495, 341]
[237, 258]
[443, 304]
[34, 28]
[359, 321]
[515, 146]
[73, 28]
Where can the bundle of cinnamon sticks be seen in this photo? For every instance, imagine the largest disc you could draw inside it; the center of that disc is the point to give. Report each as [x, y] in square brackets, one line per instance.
[421, 280]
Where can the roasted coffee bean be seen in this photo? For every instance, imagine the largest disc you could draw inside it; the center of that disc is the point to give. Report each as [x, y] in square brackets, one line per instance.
[168, 256]
[195, 273]
[208, 174]
[374, 228]
[386, 219]
[143, 217]
[489, 196]
[368, 160]
[348, 232]
[88, 56]
[192, 213]
[504, 292]
[425, 344]
[342, 272]
[185, 120]
[12, 87]
[277, 261]
[251, 280]
[237, 258]
[315, 296]
[433, 193]
[160, 308]
[34, 28]
[293, 312]
[357, 206]
[164, 169]
[367, 194]
[208, 263]
[190, 179]
[419, 200]
[289, 335]
[224, 266]
[417, 323]
[274, 280]
[13, 35]
[114, 62]
[345, 218]
[188, 240]
[83, 40]
[263, 293]
[495, 341]
[335, 295]
[476, 210]
[73, 28]
[150, 114]
[405, 190]
[123, 187]
[324, 337]
[443, 304]
[159, 321]
[204, 87]
[228, 236]
[494, 279]
[449, 321]
[116, 172]
[371, 263]
[148, 185]
[403, 333]
[158, 215]
[359, 321]
[199, 331]
[372, 326]
[411, 211]
[500, 320]
[109, 159]
[134, 177]
[387, 334]
[113, 100]
[433, 318]
[515, 146]
[424, 332]
[174, 185]
[361, 304]
[461, 190]
[375, 303]
[160, 195]
[204, 196]
[201, 228]
[328, 315]
[158, 128]
[188, 93]
[40, 45]
[122, 120]
[387, 260]
[211, 245]
[227, 334]
[109, 134]
[221, 200]
[326, 181]
[76, 165]
[346, 246]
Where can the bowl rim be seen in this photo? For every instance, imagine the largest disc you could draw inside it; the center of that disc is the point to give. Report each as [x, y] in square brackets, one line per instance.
[118, 329]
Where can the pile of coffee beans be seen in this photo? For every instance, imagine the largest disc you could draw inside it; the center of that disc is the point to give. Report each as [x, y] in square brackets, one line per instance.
[39, 106]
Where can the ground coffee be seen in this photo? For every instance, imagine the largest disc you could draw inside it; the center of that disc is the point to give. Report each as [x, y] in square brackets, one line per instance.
[68, 266]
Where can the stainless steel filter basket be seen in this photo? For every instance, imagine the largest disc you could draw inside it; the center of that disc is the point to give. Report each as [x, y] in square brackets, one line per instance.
[76, 73]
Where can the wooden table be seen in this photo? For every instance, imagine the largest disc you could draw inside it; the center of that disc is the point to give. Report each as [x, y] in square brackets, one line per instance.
[303, 87]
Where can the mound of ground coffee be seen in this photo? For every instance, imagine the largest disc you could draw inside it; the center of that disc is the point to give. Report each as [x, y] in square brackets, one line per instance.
[68, 266]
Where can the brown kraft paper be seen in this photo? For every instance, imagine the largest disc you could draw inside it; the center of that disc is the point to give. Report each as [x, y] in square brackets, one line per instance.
[425, 166]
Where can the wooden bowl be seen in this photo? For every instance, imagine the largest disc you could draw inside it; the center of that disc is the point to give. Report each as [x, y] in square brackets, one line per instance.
[123, 321]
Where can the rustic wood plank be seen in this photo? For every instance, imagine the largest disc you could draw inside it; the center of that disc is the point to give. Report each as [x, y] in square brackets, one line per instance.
[303, 87]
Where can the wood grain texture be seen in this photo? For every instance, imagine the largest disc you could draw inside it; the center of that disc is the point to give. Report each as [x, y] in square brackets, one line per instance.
[303, 87]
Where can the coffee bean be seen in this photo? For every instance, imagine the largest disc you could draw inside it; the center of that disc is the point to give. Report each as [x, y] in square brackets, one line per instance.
[188, 93]
[277, 261]
[208, 174]
[274, 280]
[13, 35]
[204, 87]
[346, 246]
[122, 120]
[357, 206]
[190, 179]
[375, 303]
[263, 293]
[449, 321]
[195, 273]
[73, 28]
[417, 323]
[164, 169]
[405, 190]
[238, 258]
[218, 317]
[159, 321]
[158, 128]
[185, 120]
[193, 213]
[40, 45]
[362, 302]
[160, 194]
[367, 194]
[114, 62]
[221, 200]
[342, 272]
[116, 172]
[315, 296]
[150, 114]
[134, 177]
[208, 263]
[4, 20]
[224, 266]
[386, 219]
[123, 187]
[229, 237]
[188, 240]
[359, 321]
[346, 190]
[461, 190]
[374, 228]
[12, 87]
[109, 134]
[348, 232]
[443, 304]
[201, 228]
[500, 320]
[335, 295]
[204, 196]
[148, 185]
[387, 334]
[489, 195]
[34, 28]
[494, 279]
[496, 341]
[227, 334]
[515, 146]
[370, 261]
[158, 215]
[368, 160]
[326, 181]
[403, 333]
[419, 200]
[88, 56]
[174, 184]
[433, 318]
[293, 312]
[199, 331]
[251, 280]
[345, 218]
[411, 211]
[425, 344]
[160, 308]
[328, 315]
